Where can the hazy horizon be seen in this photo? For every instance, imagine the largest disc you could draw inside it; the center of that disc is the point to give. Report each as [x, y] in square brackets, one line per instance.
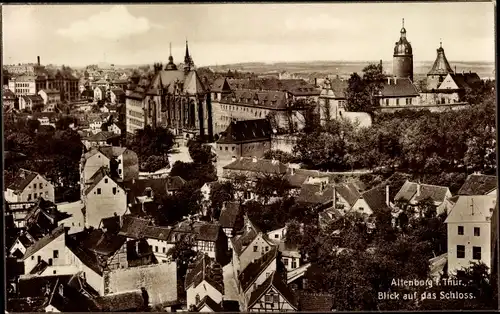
[224, 34]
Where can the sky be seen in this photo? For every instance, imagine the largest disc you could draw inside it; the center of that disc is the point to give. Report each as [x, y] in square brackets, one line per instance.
[78, 35]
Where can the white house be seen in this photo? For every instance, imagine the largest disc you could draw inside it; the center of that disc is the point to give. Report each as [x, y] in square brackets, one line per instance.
[95, 125]
[413, 193]
[99, 93]
[21, 244]
[51, 249]
[76, 220]
[28, 186]
[469, 231]
[103, 198]
[273, 295]
[249, 246]
[127, 162]
[257, 272]
[376, 199]
[204, 280]
[231, 219]
[51, 98]
[113, 128]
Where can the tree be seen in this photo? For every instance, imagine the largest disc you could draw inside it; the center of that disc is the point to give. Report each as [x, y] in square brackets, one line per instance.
[280, 155]
[149, 142]
[271, 185]
[190, 171]
[201, 154]
[183, 254]
[357, 95]
[220, 193]
[293, 233]
[32, 125]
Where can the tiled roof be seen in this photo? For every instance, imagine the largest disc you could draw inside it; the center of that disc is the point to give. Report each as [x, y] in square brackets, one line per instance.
[8, 94]
[112, 151]
[401, 87]
[210, 303]
[35, 286]
[315, 193]
[159, 186]
[102, 136]
[338, 87]
[88, 258]
[376, 199]
[275, 281]
[242, 241]
[126, 301]
[133, 227]
[159, 233]
[255, 98]
[40, 244]
[193, 84]
[96, 178]
[254, 269]
[103, 243]
[118, 91]
[39, 268]
[409, 189]
[349, 192]
[51, 91]
[247, 131]
[441, 65]
[230, 214]
[205, 269]
[315, 302]
[21, 180]
[220, 85]
[203, 231]
[478, 184]
[257, 165]
[111, 224]
[33, 98]
[477, 208]
[466, 80]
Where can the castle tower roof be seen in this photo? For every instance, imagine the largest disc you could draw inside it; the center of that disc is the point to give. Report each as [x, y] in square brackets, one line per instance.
[441, 65]
[170, 65]
[403, 46]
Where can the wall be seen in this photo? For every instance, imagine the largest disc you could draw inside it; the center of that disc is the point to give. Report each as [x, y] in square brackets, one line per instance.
[251, 149]
[468, 240]
[402, 66]
[249, 255]
[47, 253]
[76, 222]
[160, 281]
[400, 102]
[260, 279]
[288, 258]
[203, 289]
[160, 248]
[46, 191]
[277, 235]
[93, 164]
[106, 204]
[17, 246]
[284, 143]
[134, 115]
[282, 305]
[362, 207]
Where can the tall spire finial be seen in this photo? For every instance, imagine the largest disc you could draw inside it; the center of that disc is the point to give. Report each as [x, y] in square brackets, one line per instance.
[403, 22]
[440, 43]
[170, 48]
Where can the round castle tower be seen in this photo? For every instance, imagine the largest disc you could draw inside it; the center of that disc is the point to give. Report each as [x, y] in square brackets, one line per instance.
[402, 64]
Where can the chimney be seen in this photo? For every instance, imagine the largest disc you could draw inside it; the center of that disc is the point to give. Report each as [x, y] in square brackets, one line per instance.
[334, 196]
[233, 158]
[418, 188]
[387, 198]
[38, 60]
[316, 81]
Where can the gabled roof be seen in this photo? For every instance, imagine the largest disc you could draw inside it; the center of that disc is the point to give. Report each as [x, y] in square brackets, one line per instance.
[400, 87]
[36, 286]
[220, 85]
[158, 233]
[441, 65]
[316, 193]
[246, 131]
[40, 244]
[376, 199]
[257, 165]
[118, 92]
[159, 186]
[102, 136]
[193, 84]
[338, 87]
[203, 231]
[275, 281]
[206, 269]
[88, 258]
[125, 301]
[478, 184]
[349, 192]
[103, 243]
[21, 180]
[96, 178]
[315, 302]
[210, 303]
[8, 94]
[466, 80]
[33, 98]
[409, 190]
[477, 208]
[133, 227]
[255, 98]
[112, 151]
[229, 216]
[241, 242]
[248, 276]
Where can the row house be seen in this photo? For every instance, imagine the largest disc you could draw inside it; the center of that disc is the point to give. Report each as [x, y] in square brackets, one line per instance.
[412, 193]
[147, 190]
[8, 99]
[23, 85]
[28, 186]
[204, 281]
[30, 102]
[51, 98]
[397, 94]
[231, 220]
[248, 138]
[273, 295]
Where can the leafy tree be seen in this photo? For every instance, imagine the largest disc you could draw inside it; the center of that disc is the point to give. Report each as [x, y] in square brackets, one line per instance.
[282, 156]
[201, 154]
[32, 125]
[357, 95]
[294, 233]
[271, 185]
[190, 171]
[149, 142]
[220, 193]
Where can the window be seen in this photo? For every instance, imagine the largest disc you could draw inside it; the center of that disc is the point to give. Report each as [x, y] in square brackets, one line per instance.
[397, 101]
[40, 185]
[268, 298]
[460, 230]
[477, 231]
[29, 197]
[32, 257]
[164, 249]
[156, 249]
[54, 272]
[254, 286]
[460, 251]
[267, 248]
[220, 148]
[164, 261]
[35, 195]
[114, 191]
[276, 236]
[55, 254]
[232, 148]
[255, 248]
[387, 102]
[98, 191]
[226, 148]
[476, 252]
[106, 180]
[285, 261]
[276, 298]
[46, 193]
[50, 262]
[39, 258]
[294, 264]
[268, 274]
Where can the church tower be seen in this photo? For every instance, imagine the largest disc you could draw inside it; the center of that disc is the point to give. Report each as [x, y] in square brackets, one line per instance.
[402, 62]
[188, 61]
[440, 69]
[170, 65]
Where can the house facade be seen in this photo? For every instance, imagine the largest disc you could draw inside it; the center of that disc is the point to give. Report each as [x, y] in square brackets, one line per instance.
[99, 93]
[273, 295]
[28, 186]
[30, 102]
[469, 232]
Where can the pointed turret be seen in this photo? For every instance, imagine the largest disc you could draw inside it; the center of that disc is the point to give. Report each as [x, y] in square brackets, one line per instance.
[170, 65]
[188, 61]
[441, 65]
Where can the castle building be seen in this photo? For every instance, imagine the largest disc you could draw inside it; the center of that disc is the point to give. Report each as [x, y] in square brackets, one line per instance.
[402, 62]
[173, 98]
[440, 69]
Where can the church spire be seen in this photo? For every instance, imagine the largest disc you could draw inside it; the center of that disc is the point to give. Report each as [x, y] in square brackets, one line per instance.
[171, 65]
[188, 61]
[403, 29]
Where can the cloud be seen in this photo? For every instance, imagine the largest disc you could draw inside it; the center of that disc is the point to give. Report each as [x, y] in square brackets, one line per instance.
[115, 23]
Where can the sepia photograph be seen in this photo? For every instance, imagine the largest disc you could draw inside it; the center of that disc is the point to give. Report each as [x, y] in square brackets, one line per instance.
[250, 157]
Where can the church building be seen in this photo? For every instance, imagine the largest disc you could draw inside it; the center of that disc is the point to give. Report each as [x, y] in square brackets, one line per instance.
[173, 98]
